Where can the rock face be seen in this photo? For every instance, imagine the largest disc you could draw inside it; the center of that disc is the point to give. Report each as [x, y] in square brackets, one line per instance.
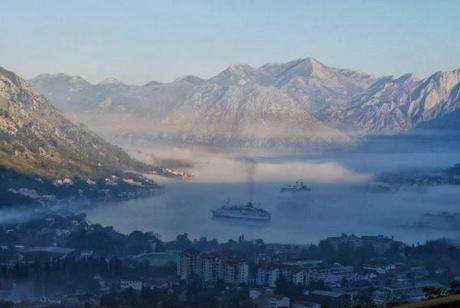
[316, 85]
[36, 139]
[380, 108]
[398, 104]
[277, 103]
[435, 97]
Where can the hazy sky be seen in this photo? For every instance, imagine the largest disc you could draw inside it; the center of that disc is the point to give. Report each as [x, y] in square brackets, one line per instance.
[139, 41]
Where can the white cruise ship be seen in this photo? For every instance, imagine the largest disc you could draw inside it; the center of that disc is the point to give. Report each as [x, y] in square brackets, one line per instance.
[246, 211]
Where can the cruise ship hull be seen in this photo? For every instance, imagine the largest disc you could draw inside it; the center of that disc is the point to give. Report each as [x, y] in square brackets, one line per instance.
[217, 214]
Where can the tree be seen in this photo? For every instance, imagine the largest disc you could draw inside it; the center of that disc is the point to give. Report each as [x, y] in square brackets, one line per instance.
[434, 292]
[287, 288]
[110, 300]
[137, 243]
[454, 287]
[182, 241]
[92, 286]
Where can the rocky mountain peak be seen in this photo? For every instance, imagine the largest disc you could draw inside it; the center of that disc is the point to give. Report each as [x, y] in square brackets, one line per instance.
[110, 81]
[152, 84]
[189, 79]
[310, 63]
[10, 77]
[407, 78]
[61, 77]
[307, 67]
[235, 74]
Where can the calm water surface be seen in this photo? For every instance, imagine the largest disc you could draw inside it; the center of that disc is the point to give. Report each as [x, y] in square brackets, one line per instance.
[329, 209]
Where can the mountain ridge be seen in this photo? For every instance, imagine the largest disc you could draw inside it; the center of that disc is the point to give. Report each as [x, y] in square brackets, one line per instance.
[47, 159]
[319, 98]
[395, 104]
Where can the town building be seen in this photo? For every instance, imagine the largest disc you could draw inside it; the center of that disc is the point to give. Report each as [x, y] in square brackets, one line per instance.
[212, 267]
[236, 271]
[402, 292]
[133, 284]
[267, 275]
[379, 243]
[332, 275]
[305, 304]
[46, 254]
[330, 299]
[278, 301]
[190, 264]
[293, 273]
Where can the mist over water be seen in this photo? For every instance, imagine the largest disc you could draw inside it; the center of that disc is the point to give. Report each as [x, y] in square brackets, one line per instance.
[337, 202]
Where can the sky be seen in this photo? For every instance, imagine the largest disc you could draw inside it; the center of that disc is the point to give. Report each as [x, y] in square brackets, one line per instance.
[140, 41]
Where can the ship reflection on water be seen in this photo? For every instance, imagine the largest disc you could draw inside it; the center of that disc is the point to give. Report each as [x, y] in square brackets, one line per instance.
[242, 223]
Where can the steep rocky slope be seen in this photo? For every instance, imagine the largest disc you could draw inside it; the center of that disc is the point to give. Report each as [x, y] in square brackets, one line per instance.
[45, 157]
[398, 104]
[37, 138]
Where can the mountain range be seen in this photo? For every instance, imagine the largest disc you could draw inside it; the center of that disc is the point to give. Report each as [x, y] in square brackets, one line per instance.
[40, 147]
[294, 102]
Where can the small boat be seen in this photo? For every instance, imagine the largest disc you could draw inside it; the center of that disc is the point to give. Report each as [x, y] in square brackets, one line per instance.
[298, 187]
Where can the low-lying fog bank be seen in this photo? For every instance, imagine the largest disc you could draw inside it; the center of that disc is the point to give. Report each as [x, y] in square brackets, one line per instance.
[203, 165]
[342, 199]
